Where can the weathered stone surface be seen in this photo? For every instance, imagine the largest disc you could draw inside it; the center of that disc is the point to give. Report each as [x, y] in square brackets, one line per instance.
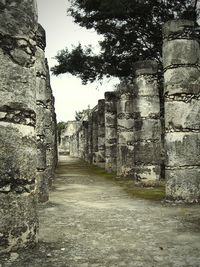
[85, 141]
[190, 114]
[41, 101]
[90, 140]
[18, 221]
[80, 142]
[110, 132]
[182, 148]
[100, 159]
[182, 81]
[125, 135]
[183, 183]
[18, 154]
[146, 123]
[94, 136]
[181, 53]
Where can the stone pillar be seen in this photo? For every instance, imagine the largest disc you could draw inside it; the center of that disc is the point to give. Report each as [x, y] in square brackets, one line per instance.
[42, 179]
[50, 128]
[181, 53]
[101, 133]
[125, 135]
[94, 137]
[18, 150]
[71, 145]
[85, 140]
[90, 143]
[81, 142]
[110, 132]
[54, 131]
[147, 123]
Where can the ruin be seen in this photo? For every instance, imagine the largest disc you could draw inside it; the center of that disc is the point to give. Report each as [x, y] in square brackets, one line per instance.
[147, 122]
[125, 123]
[110, 132]
[123, 133]
[23, 106]
[126, 133]
[181, 51]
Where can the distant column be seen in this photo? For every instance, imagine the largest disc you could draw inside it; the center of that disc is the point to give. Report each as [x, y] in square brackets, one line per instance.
[110, 132]
[125, 135]
[181, 52]
[147, 123]
[101, 133]
[90, 142]
[86, 138]
[94, 137]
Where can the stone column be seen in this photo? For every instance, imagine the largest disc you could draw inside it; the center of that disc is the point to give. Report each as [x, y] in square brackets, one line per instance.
[81, 142]
[85, 145]
[71, 145]
[147, 123]
[50, 128]
[125, 135]
[18, 152]
[101, 133]
[90, 143]
[110, 132]
[181, 53]
[42, 178]
[94, 137]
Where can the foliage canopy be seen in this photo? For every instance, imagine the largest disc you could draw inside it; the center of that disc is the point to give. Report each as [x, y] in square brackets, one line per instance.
[131, 31]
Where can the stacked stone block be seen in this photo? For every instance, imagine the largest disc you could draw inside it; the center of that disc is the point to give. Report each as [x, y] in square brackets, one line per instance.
[81, 141]
[94, 137]
[101, 133]
[41, 73]
[18, 152]
[125, 134]
[110, 131]
[50, 129]
[85, 141]
[147, 123]
[89, 138]
[181, 60]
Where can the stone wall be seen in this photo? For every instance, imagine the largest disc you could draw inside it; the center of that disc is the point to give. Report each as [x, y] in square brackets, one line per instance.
[23, 136]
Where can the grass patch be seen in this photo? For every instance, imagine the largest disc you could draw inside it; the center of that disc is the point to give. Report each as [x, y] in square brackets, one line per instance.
[151, 191]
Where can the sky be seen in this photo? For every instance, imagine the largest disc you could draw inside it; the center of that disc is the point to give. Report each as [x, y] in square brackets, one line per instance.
[61, 32]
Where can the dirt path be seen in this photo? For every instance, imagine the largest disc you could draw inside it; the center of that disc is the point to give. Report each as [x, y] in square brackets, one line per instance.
[91, 221]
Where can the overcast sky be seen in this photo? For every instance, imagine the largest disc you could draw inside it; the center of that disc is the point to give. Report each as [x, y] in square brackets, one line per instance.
[61, 32]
